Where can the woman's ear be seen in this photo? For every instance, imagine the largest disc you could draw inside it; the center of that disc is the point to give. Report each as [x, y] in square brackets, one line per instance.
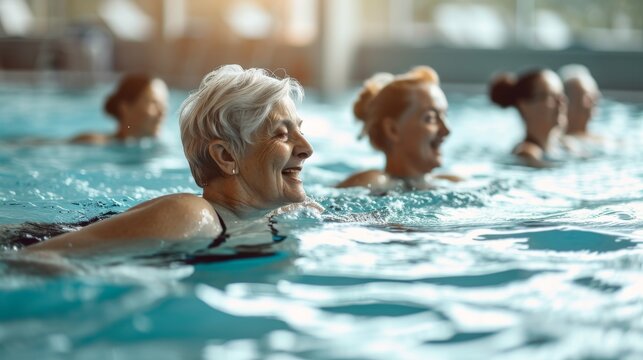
[219, 151]
[389, 126]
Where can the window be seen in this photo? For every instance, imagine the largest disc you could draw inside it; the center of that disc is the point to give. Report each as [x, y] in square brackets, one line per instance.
[495, 24]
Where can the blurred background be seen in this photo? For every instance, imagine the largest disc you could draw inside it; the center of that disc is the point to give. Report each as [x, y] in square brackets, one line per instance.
[329, 45]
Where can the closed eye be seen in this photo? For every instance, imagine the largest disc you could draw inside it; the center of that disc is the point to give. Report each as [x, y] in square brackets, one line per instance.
[285, 127]
[431, 117]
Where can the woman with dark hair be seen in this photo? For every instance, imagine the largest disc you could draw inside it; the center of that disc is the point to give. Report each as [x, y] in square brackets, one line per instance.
[540, 100]
[138, 104]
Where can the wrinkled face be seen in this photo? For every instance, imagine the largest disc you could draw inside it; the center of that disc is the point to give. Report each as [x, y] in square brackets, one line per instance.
[271, 165]
[144, 116]
[547, 107]
[423, 128]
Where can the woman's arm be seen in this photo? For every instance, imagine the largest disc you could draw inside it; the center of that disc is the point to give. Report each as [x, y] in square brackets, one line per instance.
[91, 139]
[147, 228]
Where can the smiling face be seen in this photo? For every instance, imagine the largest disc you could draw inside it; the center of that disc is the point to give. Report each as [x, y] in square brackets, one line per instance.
[270, 167]
[422, 129]
[144, 116]
[546, 109]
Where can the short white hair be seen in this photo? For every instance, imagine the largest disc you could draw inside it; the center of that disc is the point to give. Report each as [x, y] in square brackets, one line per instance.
[577, 74]
[231, 104]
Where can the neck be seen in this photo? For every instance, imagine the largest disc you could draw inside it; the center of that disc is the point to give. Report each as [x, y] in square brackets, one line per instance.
[538, 135]
[397, 166]
[229, 197]
[576, 128]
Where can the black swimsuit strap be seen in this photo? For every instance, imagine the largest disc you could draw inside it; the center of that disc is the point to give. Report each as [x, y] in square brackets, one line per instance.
[276, 237]
[222, 236]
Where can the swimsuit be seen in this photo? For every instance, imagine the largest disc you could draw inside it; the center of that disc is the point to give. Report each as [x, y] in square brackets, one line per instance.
[23, 235]
[222, 236]
[204, 257]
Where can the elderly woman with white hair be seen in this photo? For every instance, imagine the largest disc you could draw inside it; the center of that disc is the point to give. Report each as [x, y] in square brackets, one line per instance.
[241, 136]
[583, 96]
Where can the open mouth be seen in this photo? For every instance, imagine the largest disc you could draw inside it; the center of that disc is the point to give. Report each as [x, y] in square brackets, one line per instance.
[435, 145]
[292, 173]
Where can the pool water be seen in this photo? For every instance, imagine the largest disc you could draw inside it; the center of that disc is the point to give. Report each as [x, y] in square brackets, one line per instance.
[514, 263]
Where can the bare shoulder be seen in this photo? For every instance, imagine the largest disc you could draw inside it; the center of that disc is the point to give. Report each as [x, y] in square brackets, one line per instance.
[370, 178]
[181, 199]
[530, 154]
[176, 216]
[449, 177]
[183, 205]
[90, 139]
[529, 150]
[149, 227]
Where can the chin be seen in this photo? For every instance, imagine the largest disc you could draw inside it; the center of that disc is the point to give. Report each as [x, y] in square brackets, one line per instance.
[433, 163]
[297, 199]
[294, 197]
[301, 196]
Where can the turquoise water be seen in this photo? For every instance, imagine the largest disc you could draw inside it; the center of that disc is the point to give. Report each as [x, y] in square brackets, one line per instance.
[513, 263]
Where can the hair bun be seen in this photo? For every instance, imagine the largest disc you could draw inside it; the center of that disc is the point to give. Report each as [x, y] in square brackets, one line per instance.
[111, 105]
[424, 72]
[371, 88]
[502, 90]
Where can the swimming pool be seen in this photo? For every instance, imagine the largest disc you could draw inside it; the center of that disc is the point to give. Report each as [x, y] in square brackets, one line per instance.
[513, 263]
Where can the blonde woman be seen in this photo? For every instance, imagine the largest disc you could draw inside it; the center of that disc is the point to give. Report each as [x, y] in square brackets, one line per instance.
[405, 117]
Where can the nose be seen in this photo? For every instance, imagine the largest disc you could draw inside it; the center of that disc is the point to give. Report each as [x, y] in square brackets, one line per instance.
[161, 110]
[302, 149]
[562, 103]
[444, 128]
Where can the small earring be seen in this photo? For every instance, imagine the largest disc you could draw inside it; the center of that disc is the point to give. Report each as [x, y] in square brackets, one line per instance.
[234, 171]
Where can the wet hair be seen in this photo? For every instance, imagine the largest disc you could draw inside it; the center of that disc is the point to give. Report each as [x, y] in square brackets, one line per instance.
[387, 95]
[231, 104]
[129, 89]
[507, 89]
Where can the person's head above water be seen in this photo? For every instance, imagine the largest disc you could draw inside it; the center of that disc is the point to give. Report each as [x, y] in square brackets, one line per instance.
[241, 136]
[404, 116]
[138, 104]
[539, 98]
[583, 95]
